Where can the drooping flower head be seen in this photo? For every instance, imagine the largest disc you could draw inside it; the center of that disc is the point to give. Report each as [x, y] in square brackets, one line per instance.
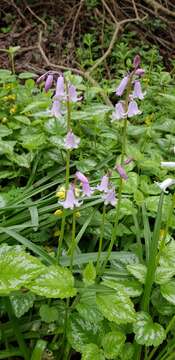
[122, 86]
[104, 184]
[133, 109]
[165, 184]
[137, 93]
[71, 141]
[121, 171]
[136, 61]
[56, 108]
[168, 164]
[70, 202]
[60, 93]
[48, 83]
[109, 197]
[87, 190]
[119, 112]
[72, 93]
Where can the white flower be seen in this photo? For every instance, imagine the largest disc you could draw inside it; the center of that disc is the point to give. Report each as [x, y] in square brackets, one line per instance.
[165, 184]
[168, 164]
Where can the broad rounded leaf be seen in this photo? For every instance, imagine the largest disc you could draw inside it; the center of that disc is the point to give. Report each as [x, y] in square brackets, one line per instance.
[91, 352]
[146, 332]
[22, 302]
[88, 309]
[138, 271]
[161, 304]
[81, 332]
[17, 268]
[55, 282]
[131, 286]
[48, 313]
[128, 351]
[168, 291]
[163, 274]
[116, 307]
[113, 343]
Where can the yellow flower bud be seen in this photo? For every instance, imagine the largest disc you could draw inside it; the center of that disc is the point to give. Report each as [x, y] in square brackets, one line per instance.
[58, 212]
[13, 110]
[56, 233]
[61, 193]
[77, 214]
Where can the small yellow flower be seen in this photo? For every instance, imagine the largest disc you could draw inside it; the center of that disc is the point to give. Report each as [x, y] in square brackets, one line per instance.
[8, 86]
[4, 120]
[56, 233]
[5, 98]
[77, 192]
[12, 97]
[58, 212]
[149, 119]
[13, 110]
[77, 214]
[61, 193]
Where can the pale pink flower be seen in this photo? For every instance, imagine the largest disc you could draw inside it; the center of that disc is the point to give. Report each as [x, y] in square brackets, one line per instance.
[56, 108]
[104, 184]
[109, 197]
[70, 202]
[119, 112]
[140, 72]
[121, 171]
[133, 109]
[48, 83]
[72, 93]
[87, 190]
[60, 93]
[71, 141]
[137, 93]
[122, 86]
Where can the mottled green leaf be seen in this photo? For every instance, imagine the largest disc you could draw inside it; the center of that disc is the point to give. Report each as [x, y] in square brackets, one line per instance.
[89, 274]
[146, 332]
[116, 307]
[92, 352]
[168, 291]
[55, 282]
[138, 271]
[48, 313]
[112, 344]
[22, 302]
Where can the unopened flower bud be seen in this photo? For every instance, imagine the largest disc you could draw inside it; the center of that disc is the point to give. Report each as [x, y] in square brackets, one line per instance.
[136, 61]
[48, 83]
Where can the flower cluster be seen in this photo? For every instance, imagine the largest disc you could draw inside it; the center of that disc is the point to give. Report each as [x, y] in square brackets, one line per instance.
[74, 199]
[131, 80]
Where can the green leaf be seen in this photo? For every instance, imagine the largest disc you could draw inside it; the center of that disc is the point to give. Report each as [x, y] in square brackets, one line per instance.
[168, 291]
[87, 307]
[116, 307]
[27, 75]
[163, 274]
[131, 286]
[127, 352]
[112, 344]
[162, 306]
[56, 282]
[33, 142]
[86, 165]
[38, 351]
[5, 131]
[48, 313]
[146, 332]
[89, 274]
[17, 268]
[168, 255]
[22, 119]
[91, 352]
[39, 104]
[22, 302]
[81, 332]
[6, 147]
[138, 271]
[23, 160]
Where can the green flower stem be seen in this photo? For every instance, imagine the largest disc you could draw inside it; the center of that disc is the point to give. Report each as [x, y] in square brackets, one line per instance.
[73, 240]
[101, 238]
[22, 346]
[153, 257]
[61, 237]
[63, 222]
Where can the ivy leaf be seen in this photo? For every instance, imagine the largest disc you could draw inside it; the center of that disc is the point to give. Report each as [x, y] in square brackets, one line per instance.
[89, 274]
[146, 332]
[48, 313]
[116, 307]
[81, 332]
[17, 268]
[89, 350]
[112, 344]
[22, 302]
[168, 291]
[138, 271]
[55, 282]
